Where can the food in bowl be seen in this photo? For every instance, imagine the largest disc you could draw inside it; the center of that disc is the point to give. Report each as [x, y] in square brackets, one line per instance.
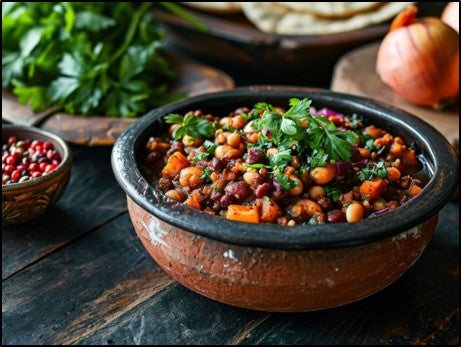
[26, 159]
[287, 167]
[263, 266]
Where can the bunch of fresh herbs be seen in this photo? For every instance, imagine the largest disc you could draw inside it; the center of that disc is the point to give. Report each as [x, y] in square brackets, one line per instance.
[86, 57]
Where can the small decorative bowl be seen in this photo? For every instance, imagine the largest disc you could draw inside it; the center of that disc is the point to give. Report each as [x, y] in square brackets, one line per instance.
[274, 268]
[30, 199]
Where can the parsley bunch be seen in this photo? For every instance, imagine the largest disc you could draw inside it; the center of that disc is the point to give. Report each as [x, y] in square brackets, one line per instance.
[89, 58]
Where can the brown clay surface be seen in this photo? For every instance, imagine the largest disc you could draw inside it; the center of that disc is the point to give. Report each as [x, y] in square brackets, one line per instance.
[278, 280]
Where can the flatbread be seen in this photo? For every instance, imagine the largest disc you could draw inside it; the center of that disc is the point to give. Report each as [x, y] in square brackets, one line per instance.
[331, 10]
[270, 18]
[216, 7]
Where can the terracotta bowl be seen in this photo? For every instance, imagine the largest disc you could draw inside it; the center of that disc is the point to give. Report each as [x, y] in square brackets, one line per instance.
[24, 201]
[274, 268]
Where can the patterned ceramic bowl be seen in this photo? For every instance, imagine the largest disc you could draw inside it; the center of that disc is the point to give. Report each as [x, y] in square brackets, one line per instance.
[269, 267]
[24, 201]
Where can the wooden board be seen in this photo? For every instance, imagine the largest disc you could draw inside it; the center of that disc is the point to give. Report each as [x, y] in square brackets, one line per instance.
[292, 59]
[355, 74]
[193, 78]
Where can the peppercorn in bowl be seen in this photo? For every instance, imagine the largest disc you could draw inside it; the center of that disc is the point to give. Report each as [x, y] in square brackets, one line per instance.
[284, 198]
[35, 171]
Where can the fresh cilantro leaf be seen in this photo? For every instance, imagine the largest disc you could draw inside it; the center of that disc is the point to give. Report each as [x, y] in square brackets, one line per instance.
[368, 173]
[174, 119]
[332, 192]
[206, 172]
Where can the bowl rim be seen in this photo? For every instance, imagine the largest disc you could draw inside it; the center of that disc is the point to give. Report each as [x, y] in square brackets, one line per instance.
[433, 197]
[66, 158]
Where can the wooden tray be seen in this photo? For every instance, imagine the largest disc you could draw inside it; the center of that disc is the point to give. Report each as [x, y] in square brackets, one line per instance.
[193, 78]
[355, 74]
[236, 42]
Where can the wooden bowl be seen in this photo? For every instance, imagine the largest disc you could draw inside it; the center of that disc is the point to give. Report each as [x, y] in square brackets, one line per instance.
[270, 267]
[24, 201]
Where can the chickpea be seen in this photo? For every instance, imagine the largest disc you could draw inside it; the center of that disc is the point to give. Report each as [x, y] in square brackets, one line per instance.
[323, 175]
[190, 177]
[379, 204]
[291, 223]
[238, 122]
[190, 141]
[364, 153]
[271, 151]
[316, 192]
[254, 138]
[248, 128]
[173, 128]
[234, 140]
[221, 151]
[393, 174]
[221, 139]
[354, 212]
[289, 170]
[176, 195]
[249, 176]
[295, 162]
[225, 121]
[298, 189]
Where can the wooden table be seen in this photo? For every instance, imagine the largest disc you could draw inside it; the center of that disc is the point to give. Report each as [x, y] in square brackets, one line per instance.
[80, 275]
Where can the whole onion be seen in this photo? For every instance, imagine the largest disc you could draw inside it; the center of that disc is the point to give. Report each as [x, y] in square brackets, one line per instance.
[419, 59]
[450, 15]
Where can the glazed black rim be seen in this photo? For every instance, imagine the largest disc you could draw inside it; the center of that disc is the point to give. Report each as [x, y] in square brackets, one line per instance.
[437, 192]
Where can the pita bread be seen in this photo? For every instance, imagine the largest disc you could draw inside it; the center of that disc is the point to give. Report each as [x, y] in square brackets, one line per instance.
[216, 7]
[271, 18]
[331, 10]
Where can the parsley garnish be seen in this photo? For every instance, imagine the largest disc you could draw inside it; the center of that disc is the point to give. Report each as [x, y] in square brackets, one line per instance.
[191, 125]
[87, 58]
[367, 173]
[332, 192]
[206, 172]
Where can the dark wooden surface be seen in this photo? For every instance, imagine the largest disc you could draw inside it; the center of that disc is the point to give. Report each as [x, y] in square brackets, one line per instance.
[80, 275]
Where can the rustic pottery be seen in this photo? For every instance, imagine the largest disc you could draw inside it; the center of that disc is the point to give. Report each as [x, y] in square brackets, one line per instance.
[273, 268]
[24, 201]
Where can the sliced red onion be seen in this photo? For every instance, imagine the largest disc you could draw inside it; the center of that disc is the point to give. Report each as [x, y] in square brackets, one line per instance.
[342, 167]
[325, 112]
[384, 210]
[360, 163]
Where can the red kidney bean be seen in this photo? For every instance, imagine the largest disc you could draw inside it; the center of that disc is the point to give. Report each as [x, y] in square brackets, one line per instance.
[215, 195]
[264, 190]
[164, 184]
[216, 164]
[336, 216]
[226, 200]
[255, 156]
[240, 190]
[325, 203]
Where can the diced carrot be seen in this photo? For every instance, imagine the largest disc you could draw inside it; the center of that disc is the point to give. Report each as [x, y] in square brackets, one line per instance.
[374, 132]
[194, 200]
[414, 190]
[270, 211]
[176, 162]
[374, 188]
[240, 213]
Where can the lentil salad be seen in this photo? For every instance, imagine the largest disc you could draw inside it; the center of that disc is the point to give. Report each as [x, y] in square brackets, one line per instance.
[288, 167]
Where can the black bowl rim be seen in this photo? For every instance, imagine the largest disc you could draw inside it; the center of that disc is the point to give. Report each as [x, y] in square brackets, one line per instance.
[433, 197]
[66, 157]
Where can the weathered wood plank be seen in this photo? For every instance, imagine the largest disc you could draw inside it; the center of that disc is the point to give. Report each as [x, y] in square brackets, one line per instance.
[91, 198]
[80, 287]
[422, 307]
[180, 316]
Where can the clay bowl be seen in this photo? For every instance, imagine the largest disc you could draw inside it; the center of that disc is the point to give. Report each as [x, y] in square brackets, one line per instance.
[269, 267]
[24, 201]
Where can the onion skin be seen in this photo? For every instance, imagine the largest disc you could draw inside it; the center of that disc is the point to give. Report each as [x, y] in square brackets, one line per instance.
[450, 15]
[419, 60]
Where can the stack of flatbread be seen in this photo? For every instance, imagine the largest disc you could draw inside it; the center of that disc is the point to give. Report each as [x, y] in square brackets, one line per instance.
[309, 18]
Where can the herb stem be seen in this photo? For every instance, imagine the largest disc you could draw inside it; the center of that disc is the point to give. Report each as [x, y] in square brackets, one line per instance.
[131, 31]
